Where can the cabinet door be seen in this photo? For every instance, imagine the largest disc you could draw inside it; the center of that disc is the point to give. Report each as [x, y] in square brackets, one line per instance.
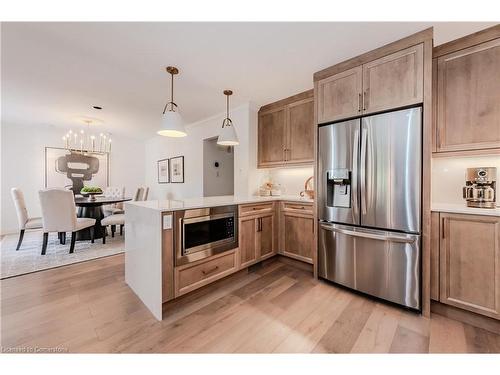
[470, 263]
[300, 132]
[339, 96]
[247, 241]
[394, 81]
[271, 142]
[435, 256]
[468, 98]
[298, 236]
[265, 236]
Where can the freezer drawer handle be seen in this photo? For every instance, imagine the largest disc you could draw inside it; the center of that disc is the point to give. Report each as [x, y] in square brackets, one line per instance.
[368, 235]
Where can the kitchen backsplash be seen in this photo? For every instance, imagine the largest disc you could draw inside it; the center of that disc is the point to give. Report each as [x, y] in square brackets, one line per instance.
[448, 176]
[291, 179]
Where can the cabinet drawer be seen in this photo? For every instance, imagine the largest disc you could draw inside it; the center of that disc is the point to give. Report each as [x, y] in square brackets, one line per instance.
[193, 277]
[306, 208]
[255, 209]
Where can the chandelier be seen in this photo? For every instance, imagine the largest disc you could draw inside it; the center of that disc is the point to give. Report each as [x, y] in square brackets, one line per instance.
[86, 142]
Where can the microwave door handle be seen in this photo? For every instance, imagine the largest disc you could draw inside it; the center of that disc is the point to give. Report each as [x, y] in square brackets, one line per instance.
[373, 236]
[354, 176]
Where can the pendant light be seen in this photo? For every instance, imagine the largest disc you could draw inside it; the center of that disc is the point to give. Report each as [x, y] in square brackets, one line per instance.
[171, 124]
[228, 135]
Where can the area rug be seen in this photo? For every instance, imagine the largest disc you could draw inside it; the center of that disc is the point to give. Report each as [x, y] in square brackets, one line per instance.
[29, 259]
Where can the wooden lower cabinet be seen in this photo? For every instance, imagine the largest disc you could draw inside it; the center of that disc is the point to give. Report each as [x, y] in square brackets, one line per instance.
[247, 240]
[435, 233]
[256, 237]
[265, 236]
[297, 232]
[469, 262]
[193, 276]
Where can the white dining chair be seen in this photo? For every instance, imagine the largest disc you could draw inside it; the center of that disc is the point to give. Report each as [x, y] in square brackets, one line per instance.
[113, 221]
[23, 219]
[141, 194]
[58, 215]
[138, 194]
[114, 192]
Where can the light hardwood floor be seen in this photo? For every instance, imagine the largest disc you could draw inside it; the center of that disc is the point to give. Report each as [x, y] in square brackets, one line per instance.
[88, 307]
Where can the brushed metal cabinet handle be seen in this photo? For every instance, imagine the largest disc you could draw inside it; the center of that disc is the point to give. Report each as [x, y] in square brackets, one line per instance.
[359, 102]
[443, 228]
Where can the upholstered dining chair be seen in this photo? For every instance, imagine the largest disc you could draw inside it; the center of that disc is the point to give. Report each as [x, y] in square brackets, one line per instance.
[113, 221]
[114, 192]
[145, 194]
[58, 215]
[25, 222]
[141, 194]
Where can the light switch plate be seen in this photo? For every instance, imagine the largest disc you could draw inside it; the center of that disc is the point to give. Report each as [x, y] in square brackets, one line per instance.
[167, 221]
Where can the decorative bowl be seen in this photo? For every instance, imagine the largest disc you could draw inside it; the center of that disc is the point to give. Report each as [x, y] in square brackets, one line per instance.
[91, 194]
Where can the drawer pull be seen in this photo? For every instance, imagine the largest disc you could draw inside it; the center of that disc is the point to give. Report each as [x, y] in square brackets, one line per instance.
[210, 271]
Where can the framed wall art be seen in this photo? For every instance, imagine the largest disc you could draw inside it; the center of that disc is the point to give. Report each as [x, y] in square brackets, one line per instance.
[69, 169]
[177, 169]
[163, 171]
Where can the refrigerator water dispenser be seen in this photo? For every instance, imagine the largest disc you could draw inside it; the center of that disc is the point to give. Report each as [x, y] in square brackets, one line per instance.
[338, 187]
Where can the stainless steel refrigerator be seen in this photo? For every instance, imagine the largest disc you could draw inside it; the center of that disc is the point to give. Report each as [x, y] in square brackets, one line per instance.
[369, 201]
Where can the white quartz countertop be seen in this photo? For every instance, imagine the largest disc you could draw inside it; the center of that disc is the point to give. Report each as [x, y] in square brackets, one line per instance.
[463, 209]
[203, 202]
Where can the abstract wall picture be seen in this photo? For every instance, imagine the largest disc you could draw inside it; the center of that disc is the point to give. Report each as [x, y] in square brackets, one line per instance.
[73, 170]
[163, 171]
[177, 169]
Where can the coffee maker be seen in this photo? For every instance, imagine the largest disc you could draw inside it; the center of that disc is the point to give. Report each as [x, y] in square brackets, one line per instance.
[480, 187]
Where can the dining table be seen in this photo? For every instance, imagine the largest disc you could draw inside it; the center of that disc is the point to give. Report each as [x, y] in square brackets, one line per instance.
[93, 209]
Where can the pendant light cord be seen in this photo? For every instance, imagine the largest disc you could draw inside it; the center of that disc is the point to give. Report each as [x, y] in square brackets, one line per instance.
[171, 102]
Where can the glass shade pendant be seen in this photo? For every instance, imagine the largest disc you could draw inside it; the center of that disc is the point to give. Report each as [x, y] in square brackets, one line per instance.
[228, 136]
[171, 123]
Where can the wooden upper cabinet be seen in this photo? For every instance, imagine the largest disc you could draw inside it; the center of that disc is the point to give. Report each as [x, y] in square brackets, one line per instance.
[470, 263]
[339, 96]
[468, 98]
[300, 132]
[272, 137]
[393, 81]
[286, 131]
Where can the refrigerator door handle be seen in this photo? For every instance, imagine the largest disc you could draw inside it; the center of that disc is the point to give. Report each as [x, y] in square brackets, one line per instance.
[354, 177]
[392, 237]
[362, 162]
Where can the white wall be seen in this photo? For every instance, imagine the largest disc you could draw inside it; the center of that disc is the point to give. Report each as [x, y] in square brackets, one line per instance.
[191, 147]
[217, 180]
[448, 176]
[23, 166]
[291, 179]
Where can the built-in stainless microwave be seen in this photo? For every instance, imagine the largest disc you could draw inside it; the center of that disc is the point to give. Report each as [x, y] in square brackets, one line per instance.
[200, 233]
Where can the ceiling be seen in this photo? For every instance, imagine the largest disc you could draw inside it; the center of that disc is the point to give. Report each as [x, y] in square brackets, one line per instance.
[53, 73]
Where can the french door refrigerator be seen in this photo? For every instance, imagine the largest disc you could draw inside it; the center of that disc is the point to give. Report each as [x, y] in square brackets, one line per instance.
[369, 202]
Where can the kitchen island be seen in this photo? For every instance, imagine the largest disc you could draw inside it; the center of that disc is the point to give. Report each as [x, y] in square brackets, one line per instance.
[155, 274]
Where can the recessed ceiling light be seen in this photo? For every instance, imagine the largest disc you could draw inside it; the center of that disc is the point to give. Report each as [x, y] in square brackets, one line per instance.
[96, 107]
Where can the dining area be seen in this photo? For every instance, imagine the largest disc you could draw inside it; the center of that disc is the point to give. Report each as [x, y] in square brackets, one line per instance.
[71, 228]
